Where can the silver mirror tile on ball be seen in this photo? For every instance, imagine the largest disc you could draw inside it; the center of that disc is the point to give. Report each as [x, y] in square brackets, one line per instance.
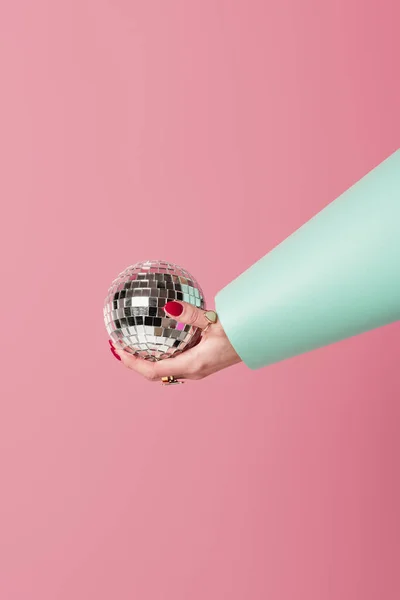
[134, 310]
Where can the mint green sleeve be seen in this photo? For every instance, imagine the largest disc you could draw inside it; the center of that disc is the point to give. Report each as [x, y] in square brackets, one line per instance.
[335, 277]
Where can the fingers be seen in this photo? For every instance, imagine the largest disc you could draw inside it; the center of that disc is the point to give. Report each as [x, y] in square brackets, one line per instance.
[187, 313]
[141, 366]
[182, 366]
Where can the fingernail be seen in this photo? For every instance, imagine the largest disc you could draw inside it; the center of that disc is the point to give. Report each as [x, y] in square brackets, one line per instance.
[115, 354]
[174, 308]
[111, 344]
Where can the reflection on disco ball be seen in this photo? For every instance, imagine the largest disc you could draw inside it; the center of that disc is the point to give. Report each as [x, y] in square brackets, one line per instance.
[134, 310]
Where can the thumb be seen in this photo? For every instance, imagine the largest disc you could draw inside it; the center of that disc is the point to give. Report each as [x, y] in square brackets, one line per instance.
[187, 313]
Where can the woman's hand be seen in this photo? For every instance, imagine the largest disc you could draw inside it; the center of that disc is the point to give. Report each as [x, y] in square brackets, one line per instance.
[213, 353]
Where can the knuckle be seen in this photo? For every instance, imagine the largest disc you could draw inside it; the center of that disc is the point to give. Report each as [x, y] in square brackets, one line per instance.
[152, 376]
[197, 370]
[197, 376]
[193, 315]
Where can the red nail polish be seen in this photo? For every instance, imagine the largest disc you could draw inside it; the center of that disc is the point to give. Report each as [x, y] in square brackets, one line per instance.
[111, 344]
[115, 354]
[174, 308]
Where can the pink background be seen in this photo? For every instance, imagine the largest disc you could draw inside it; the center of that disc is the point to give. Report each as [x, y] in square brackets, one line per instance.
[203, 133]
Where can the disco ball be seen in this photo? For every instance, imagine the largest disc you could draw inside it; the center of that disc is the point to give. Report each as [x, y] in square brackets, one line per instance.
[134, 310]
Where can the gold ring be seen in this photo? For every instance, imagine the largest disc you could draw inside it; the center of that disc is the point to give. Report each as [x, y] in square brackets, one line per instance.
[170, 380]
[211, 317]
